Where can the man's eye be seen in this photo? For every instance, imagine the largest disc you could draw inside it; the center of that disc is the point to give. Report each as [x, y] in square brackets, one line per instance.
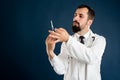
[80, 16]
[75, 15]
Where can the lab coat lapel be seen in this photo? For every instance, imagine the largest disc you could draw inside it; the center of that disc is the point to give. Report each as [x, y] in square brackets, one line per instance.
[90, 39]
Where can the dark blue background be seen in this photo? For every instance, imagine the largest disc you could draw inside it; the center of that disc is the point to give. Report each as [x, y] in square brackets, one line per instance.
[24, 26]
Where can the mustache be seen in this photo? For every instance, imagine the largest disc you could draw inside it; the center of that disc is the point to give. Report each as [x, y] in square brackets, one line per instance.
[75, 22]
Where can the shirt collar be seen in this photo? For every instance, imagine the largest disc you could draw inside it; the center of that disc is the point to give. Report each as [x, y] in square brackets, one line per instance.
[85, 35]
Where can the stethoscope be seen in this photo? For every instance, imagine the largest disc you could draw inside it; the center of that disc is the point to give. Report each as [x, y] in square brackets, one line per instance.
[93, 37]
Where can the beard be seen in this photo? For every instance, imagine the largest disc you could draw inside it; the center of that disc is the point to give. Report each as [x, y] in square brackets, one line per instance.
[76, 27]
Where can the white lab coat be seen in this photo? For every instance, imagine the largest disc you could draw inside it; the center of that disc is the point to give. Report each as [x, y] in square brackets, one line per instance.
[80, 62]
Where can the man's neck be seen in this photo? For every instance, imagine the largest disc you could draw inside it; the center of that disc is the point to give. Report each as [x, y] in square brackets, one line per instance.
[83, 32]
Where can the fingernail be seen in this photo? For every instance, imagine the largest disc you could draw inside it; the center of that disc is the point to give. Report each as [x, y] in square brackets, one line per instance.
[49, 31]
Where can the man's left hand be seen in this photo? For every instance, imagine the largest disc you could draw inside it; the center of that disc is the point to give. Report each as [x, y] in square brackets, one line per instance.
[60, 34]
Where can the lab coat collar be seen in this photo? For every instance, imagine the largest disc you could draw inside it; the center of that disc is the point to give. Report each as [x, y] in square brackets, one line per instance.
[89, 33]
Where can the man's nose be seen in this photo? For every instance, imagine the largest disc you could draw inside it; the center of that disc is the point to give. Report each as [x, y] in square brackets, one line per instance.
[76, 18]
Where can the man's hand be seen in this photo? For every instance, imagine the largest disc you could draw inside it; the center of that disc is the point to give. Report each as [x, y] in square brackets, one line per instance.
[60, 34]
[50, 46]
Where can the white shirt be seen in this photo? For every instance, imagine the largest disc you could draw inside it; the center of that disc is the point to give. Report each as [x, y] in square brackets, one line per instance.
[79, 61]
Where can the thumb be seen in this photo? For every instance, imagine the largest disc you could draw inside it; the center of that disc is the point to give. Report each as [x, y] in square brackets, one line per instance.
[57, 41]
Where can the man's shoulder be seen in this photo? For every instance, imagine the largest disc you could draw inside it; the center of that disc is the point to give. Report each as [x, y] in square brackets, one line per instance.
[98, 36]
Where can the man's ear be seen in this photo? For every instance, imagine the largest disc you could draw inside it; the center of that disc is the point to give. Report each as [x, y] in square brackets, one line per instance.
[90, 22]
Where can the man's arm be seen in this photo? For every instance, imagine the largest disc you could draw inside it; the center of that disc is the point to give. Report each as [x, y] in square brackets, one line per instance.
[79, 51]
[55, 61]
[86, 54]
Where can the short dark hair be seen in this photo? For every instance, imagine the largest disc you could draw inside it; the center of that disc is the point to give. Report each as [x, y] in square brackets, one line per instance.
[91, 13]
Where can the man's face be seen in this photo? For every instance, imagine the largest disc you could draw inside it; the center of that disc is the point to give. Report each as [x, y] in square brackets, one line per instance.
[80, 19]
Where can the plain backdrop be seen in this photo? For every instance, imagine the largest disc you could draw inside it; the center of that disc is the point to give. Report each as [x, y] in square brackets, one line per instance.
[24, 26]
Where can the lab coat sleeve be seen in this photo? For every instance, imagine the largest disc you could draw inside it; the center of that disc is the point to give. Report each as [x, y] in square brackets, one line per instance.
[60, 62]
[86, 54]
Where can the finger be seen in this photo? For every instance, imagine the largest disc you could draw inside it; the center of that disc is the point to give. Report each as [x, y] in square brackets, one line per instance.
[57, 41]
[54, 33]
[58, 31]
[54, 36]
[50, 31]
[50, 41]
[49, 38]
[62, 29]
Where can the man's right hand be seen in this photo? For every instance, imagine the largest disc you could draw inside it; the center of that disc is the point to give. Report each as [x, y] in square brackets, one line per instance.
[50, 46]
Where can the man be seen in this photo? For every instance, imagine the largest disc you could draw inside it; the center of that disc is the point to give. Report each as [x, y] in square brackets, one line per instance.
[81, 54]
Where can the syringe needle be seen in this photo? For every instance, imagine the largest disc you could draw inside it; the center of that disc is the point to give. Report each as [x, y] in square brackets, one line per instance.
[52, 25]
